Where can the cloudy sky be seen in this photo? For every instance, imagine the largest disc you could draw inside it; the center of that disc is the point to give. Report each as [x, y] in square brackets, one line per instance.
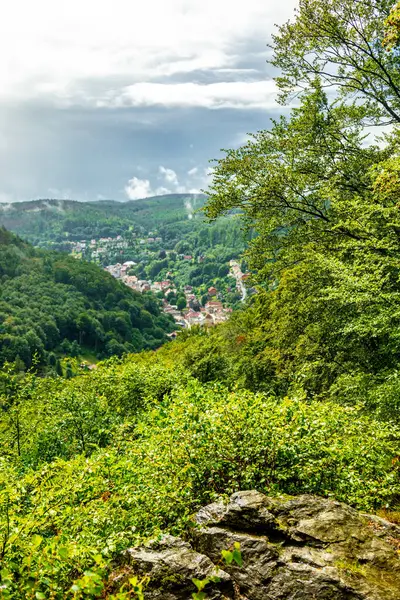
[126, 98]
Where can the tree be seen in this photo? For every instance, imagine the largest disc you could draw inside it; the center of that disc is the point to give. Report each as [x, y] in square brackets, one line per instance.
[68, 371]
[52, 360]
[342, 42]
[181, 303]
[59, 370]
[392, 23]
[295, 184]
[325, 208]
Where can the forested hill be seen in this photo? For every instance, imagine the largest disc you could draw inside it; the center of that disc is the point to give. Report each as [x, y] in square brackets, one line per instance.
[52, 304]
[41, 221]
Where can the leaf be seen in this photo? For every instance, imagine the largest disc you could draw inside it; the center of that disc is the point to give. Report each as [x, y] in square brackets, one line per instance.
[63, 552]
[237, 557]
[36, 540]
[227, 555]
[200, 583]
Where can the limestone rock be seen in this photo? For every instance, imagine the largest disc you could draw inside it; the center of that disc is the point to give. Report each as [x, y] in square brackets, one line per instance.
[171, 564]
[301, 548]
[293, 548]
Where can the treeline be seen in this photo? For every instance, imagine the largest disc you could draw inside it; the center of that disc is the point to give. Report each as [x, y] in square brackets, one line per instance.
[52, 303]
[54, 221]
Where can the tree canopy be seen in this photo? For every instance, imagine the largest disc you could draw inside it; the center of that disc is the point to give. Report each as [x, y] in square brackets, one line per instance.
[50, 301]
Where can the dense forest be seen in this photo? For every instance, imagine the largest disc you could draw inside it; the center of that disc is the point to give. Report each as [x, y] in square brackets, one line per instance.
[53, 305]
[297, 393]
[54, 221]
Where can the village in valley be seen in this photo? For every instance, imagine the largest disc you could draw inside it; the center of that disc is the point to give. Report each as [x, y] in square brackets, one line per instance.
[194, 286]
[194, 313]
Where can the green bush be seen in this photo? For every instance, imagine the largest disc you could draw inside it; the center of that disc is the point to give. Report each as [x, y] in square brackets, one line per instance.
[191, 444]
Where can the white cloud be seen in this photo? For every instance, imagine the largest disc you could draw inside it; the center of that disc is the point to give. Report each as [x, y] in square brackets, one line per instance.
[169, 175]
[78, 52]
[224, 94]
[5, 198]
[61, 194]
[142, 188]
[138, 188]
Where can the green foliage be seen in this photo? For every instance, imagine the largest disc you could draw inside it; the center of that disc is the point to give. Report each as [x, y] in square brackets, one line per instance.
[108, 458]
[181, 303]
[297, 393]
[132, 449]
[51, 302]
[345, 44]
[324, 205]
[392, 33]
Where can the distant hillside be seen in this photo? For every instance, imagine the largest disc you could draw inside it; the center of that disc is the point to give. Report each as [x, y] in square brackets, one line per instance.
[41, 221]
[53, 304]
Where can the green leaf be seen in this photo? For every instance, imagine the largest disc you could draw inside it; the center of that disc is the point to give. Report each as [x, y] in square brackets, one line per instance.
[227, 555]
[36, 540]
[200, 583]
[237, 557]
[63, 552]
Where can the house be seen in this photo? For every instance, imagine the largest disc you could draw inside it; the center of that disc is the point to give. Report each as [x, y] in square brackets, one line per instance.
[143, 285]
[191, 314]
[187, 257]
[213, 306]
[212, 291]
[208, 321]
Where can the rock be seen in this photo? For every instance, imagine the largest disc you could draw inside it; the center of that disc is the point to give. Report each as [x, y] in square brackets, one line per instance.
[171, 564]
[293, 548]
[301, 548]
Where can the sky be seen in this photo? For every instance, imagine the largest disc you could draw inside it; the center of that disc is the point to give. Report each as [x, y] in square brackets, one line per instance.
[123, 99]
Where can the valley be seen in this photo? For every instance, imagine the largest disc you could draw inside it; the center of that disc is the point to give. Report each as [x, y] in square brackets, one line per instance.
[200, 393]
[161, 245]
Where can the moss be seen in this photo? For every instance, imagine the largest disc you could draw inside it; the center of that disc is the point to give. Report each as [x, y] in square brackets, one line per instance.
[351, 568]
[393, 516]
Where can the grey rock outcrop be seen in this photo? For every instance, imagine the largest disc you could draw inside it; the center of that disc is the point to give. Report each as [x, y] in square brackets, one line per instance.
[302, 548]
[171, 565]
[293, 548]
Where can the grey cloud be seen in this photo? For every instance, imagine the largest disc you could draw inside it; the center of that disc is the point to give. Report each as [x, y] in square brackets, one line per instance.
[96, 152]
